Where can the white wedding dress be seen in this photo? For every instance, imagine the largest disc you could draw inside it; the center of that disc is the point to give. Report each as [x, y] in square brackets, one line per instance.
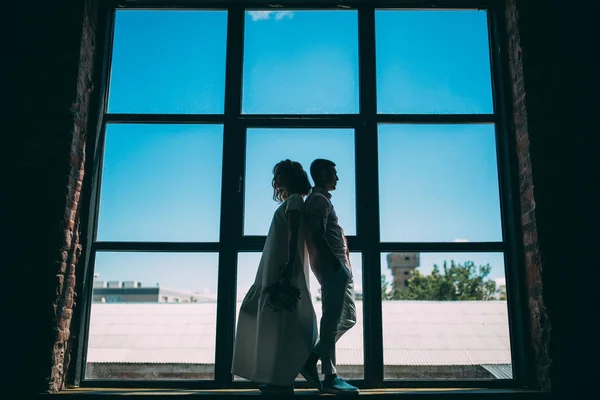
[271, 347]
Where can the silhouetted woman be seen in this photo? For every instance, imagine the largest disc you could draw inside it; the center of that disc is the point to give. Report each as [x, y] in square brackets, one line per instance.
[274, 337]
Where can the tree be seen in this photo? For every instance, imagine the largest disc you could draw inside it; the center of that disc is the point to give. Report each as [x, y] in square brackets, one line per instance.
[455, 282]
[386, 291]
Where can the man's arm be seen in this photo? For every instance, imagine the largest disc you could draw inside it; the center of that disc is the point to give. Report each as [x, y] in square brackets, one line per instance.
[317, 224]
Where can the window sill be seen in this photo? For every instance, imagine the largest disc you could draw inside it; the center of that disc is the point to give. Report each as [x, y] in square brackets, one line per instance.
[448, 394]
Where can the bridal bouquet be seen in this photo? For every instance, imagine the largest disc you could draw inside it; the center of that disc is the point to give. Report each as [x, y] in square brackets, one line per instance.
[281, 295]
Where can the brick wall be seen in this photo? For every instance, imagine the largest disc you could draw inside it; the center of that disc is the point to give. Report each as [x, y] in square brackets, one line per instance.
[71, 247]
[538, 316]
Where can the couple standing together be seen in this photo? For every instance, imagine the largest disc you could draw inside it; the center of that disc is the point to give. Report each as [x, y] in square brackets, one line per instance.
[272, 346]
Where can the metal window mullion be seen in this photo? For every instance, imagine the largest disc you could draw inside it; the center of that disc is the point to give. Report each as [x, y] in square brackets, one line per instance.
[301, 121]
[457, 384]
[509, 197]
[188, 384]
[256, 243]
[91, 202]
[202, 247]
[95, 211]
[439, 119]
[442, 247]
[343, 121]
[308, 4]
[367, 198]
[125, 118]
[231, 222]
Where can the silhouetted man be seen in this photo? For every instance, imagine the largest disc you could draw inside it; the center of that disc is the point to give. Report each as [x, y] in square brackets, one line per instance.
[330, 262]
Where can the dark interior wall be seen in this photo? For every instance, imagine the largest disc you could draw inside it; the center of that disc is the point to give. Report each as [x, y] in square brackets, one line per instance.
[50, 87]
[49, 90]
[558, 141]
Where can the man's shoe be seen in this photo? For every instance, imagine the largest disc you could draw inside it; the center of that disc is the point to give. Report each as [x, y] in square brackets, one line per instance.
[338, 386]
[310, 373]
[274, 389]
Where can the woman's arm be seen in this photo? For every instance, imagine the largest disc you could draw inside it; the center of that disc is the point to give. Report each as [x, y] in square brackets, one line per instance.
[293, 218]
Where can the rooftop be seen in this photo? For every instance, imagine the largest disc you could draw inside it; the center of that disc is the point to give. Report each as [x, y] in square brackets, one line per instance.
[425, 333]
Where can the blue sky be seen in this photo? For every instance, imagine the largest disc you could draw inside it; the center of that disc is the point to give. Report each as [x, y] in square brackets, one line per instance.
[162, 182]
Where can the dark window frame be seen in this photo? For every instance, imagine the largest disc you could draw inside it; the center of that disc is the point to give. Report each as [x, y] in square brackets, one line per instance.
[365, 122]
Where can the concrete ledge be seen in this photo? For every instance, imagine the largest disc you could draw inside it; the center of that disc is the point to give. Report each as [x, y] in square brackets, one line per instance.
[444, 393]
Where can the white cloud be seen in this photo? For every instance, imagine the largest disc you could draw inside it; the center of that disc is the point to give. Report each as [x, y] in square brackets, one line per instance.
[460, 240]
[279, 15]
[260, 15]
[265, 15]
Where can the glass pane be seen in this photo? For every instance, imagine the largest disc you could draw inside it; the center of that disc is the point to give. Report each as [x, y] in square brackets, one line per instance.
[301, 62]
[449, 324]
[438, 183]
[168, 62]
[266, 147]
[161, 183]
[153, 316]
[349, 349]
[433, 62]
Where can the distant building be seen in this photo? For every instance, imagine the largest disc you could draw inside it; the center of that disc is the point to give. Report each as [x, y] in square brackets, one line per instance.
[402, 266]
[134, 292]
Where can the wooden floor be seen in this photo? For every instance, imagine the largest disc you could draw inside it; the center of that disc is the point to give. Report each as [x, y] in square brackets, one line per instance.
[306, 394]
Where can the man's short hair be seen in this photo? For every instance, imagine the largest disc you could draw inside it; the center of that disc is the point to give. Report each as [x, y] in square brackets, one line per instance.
[317, 166]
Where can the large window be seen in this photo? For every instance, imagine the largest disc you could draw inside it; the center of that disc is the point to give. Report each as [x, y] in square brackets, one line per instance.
[200, 104]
